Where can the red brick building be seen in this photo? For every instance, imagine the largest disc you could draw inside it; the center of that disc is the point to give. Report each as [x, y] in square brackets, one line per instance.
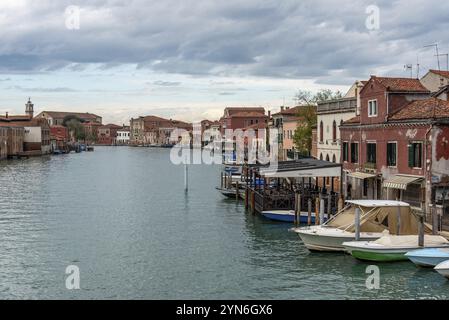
[59, 137]
[107, 134]
[240, 118]
[397, 147]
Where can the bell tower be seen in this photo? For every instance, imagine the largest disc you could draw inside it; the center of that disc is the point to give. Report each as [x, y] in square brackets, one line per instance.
[29, 108]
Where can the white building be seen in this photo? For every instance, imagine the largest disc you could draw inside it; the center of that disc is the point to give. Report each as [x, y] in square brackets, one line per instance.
[434, 80]
[330, 115]
[123, 136]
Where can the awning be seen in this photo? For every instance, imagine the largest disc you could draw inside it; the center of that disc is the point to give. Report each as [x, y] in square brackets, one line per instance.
[361, 175]
[401, 182]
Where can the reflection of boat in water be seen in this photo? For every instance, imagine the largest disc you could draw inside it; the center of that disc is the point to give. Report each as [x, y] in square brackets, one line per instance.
[392, 248]
[377, 216]
[232, 192]
[288, 216]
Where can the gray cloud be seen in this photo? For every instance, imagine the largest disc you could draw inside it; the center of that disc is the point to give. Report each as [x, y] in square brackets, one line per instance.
[166, 83]
[323, 40]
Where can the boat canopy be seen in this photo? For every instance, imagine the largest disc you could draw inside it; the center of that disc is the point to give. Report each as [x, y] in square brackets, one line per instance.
[376, 218]
[410, 240]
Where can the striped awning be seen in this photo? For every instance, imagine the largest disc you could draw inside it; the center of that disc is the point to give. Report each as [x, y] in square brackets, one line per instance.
[361, 175]
[401, 182]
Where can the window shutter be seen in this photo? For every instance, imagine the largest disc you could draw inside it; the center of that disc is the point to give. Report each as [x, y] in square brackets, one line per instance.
[411, 155]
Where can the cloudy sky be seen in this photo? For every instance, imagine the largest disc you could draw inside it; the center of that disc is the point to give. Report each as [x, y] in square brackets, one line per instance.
[189, 59]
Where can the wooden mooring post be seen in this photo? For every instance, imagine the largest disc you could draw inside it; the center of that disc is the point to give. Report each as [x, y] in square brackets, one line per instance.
[329, 206]
[309, 211]
[297, 209]
[321, 210]
[317, 210]
[237, 190]
[357, 224]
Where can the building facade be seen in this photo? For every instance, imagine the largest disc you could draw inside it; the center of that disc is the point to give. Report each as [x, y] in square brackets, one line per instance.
[393, 149]
[434, 80]
[57, 117]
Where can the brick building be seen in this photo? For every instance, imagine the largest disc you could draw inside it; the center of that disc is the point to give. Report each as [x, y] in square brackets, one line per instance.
[397, 147]
[240, 118]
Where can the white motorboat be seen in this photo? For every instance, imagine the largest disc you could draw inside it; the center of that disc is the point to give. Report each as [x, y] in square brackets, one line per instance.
[377, 218]
[392, 248]
[443, 269]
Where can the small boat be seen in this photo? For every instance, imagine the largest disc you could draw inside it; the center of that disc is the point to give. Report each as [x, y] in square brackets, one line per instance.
[288, 216]
[231, 192]
[443, 269]
[377, 216]
[391, 247]
[428, 257]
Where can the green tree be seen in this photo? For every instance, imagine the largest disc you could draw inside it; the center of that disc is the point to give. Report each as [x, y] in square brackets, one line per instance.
[75, 127]
[307, 114]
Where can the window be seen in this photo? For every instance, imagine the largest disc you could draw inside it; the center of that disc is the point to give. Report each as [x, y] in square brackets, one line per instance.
[371, 152]
[334, 131]
[345, 151]
[354, 152]
[372, 108]
[391, 154]
[365, 187]
[321, 131]
[334, 160]
[415, 154]
[327, 158]
[321, 156]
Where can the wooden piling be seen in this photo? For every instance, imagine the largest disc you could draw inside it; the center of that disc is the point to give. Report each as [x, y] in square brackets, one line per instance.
[398, 221]
[357, 224]
[309, 211]
[237, 190]
[321, 210]
[317, 208]
[329, 206]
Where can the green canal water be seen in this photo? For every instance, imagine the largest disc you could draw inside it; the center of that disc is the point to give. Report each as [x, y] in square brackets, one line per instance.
[121, 215]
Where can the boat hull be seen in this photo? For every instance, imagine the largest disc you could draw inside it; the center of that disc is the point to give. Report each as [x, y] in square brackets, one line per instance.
[329, 242]
[443, 269]
[287, 217]
[428, 257]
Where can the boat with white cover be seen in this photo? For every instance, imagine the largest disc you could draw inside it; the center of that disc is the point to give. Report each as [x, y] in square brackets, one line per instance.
[376, 218]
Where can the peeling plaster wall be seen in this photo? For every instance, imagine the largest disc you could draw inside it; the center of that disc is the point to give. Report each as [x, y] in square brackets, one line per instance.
[440, 153]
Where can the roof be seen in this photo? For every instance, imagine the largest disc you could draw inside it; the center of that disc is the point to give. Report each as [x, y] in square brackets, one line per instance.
[422, 109]
[63, 114]
[288, 111]
[354, 120]
[440, 73]
[247, 114]
[15, 117]
[400, 84]
[233, 110]
[378, 203]
[306, 167]
[361, 175]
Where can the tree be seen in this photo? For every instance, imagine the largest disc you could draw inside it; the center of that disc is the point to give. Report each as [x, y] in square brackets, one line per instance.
[305, 97]
[75, 127]
[307, 113]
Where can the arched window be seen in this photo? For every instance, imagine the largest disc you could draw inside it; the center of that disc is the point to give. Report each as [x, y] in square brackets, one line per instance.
[321, 156]
[327, 158]
[334, 159]
[321, 131]
[334, 131]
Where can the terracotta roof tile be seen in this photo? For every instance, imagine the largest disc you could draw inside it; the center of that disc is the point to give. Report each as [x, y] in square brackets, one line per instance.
[401, 84]
[440, 73]
[354, 120]
[423, 109]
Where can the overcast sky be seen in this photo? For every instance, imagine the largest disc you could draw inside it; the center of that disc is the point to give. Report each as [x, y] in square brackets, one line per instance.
[189, 59]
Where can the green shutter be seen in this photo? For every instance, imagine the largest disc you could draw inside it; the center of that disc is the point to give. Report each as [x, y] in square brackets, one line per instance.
[411, 155]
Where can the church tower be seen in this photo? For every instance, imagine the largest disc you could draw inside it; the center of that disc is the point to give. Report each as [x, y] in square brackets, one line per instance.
[29, 108]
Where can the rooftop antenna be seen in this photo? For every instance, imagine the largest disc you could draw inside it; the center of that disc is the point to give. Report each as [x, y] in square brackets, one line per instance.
[409, 66]
[437, 55]
[447, 59]
[417, 66]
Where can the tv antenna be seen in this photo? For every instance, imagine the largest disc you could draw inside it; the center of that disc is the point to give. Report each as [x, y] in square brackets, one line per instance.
[447, 59]
[409, 66]
[437, 55]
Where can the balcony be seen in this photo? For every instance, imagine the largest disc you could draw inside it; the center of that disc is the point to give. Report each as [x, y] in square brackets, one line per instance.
[349, 104]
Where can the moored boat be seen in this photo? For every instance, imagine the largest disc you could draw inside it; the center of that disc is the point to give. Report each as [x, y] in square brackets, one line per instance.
[377, 217]
[288, 216]
[443, 269]
[428, 257]
[391, 247]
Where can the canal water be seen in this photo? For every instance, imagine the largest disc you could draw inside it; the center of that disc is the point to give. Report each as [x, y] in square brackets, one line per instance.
[121, 215]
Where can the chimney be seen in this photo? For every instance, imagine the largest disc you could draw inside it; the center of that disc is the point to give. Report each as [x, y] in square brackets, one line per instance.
[6, 114]
[282, 108]
[269, 114]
